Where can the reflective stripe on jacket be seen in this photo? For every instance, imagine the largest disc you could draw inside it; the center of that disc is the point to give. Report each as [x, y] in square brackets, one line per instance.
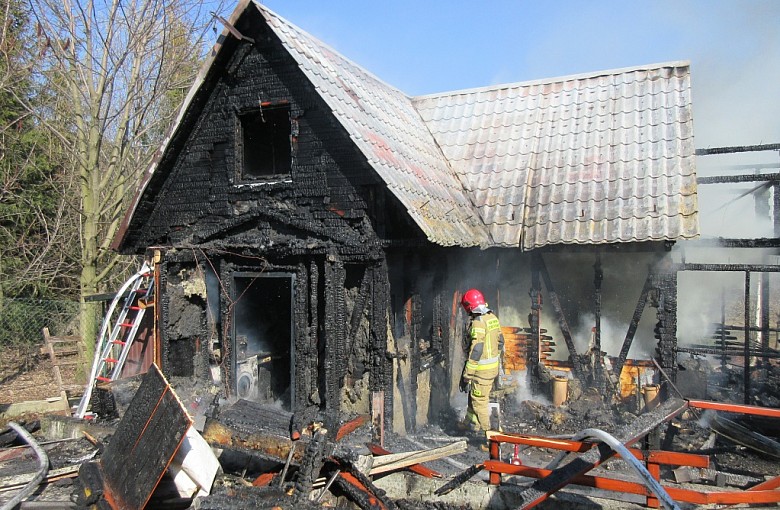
[483, 354]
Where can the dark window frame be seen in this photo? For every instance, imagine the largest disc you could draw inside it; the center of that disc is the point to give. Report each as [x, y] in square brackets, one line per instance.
[264, 143]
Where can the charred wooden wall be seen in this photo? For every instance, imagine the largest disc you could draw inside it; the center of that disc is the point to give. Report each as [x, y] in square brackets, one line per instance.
[331, 199]
[327, 222]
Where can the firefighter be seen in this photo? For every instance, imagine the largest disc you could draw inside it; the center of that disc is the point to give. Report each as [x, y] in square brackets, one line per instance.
[483, 345]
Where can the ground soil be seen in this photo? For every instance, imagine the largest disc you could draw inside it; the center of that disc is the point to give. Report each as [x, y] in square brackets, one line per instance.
[25, 375]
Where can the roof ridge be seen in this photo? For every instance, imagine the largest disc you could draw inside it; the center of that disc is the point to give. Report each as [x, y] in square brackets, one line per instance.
[556, 79]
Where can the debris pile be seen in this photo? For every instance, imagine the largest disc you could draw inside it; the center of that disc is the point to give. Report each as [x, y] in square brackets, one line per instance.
[159, 448]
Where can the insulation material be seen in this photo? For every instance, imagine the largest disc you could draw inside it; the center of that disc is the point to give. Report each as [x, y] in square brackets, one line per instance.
[194, 466]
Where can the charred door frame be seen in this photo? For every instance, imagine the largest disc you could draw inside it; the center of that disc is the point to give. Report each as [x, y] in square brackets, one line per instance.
[245, 273]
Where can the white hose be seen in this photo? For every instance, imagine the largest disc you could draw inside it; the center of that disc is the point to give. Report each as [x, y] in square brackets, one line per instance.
[626, 455]
[43, 468]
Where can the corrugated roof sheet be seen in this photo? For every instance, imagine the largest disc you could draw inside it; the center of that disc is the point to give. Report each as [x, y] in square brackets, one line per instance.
[391, 134]
[600, 158]
[588, 159]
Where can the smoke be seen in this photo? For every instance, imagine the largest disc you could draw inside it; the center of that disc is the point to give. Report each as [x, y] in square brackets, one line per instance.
[213, 295]
[707, 298]
[505, 279]
[613, 334]
[460, 402]
[742, 210]
[523, 392]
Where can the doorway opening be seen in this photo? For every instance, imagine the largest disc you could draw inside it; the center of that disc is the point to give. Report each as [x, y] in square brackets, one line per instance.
[263, 334]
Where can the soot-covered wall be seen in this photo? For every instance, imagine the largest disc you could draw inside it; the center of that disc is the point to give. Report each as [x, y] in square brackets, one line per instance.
[329, 198]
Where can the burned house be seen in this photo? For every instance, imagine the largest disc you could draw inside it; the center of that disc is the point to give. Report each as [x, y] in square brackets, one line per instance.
[313, 228]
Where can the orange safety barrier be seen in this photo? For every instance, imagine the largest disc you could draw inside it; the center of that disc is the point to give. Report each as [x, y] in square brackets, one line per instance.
[764, 492]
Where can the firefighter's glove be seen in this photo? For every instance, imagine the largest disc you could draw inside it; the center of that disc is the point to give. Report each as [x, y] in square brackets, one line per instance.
[464, 385]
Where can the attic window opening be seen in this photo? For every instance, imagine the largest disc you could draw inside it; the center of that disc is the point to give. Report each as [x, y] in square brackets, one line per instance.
[266, 142]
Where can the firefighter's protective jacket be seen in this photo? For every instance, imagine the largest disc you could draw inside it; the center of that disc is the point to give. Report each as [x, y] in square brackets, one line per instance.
[483, 350]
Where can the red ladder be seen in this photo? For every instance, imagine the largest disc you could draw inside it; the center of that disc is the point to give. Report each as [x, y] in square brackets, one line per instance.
[112, 348]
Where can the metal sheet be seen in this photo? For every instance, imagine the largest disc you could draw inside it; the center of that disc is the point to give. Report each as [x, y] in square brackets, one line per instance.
[588, 159]
[604, 157]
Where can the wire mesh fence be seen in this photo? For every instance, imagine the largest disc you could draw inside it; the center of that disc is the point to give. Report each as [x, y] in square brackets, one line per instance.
[22, 320]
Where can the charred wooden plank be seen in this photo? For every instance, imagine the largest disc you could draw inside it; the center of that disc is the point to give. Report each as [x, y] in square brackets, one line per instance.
[633, 325]
[362, 492]
[145, 442]
[742, 435]
[738, 148]
[311, 464]
[459, 479]
[246, 425]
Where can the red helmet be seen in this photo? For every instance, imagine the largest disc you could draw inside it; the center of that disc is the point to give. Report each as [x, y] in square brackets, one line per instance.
[472, 299]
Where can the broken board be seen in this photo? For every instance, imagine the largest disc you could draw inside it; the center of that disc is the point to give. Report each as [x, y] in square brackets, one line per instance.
[144, 444]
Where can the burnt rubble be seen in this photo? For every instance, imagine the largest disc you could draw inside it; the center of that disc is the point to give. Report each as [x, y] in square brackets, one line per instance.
[270, 458]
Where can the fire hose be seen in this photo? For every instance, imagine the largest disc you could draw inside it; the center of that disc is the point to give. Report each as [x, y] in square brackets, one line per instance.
[43, 468]
[625, 454]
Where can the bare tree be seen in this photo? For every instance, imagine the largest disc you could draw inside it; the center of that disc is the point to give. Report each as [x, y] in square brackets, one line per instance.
[115, 67]
[33, 219]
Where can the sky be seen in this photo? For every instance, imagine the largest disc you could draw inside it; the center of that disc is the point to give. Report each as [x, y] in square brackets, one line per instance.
[430, 46]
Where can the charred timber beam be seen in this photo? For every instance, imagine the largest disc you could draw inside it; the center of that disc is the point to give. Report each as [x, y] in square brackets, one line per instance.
[738, 148]
[363, 492]
[727, 327]
[776, 208]
[163, 312]
[643, 247]
[717, 351]
[335, 321]
[309, 364]
[744, 436]
[414, 354]
[313, 227]
[723, 333]
[560, 477]
[666, 329]
[438, 352]
[598, 278]
[763, 296]
[459, 479]
[753, 268]
[311, 464]
[302, 354]
[633, 325]
[562, 322]
[732, 341]
[252, 427]
[723, 179]
[746, 371]
[441, 325]
[357, 310]
[722, 242]
[534, 322]
[380, 375]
